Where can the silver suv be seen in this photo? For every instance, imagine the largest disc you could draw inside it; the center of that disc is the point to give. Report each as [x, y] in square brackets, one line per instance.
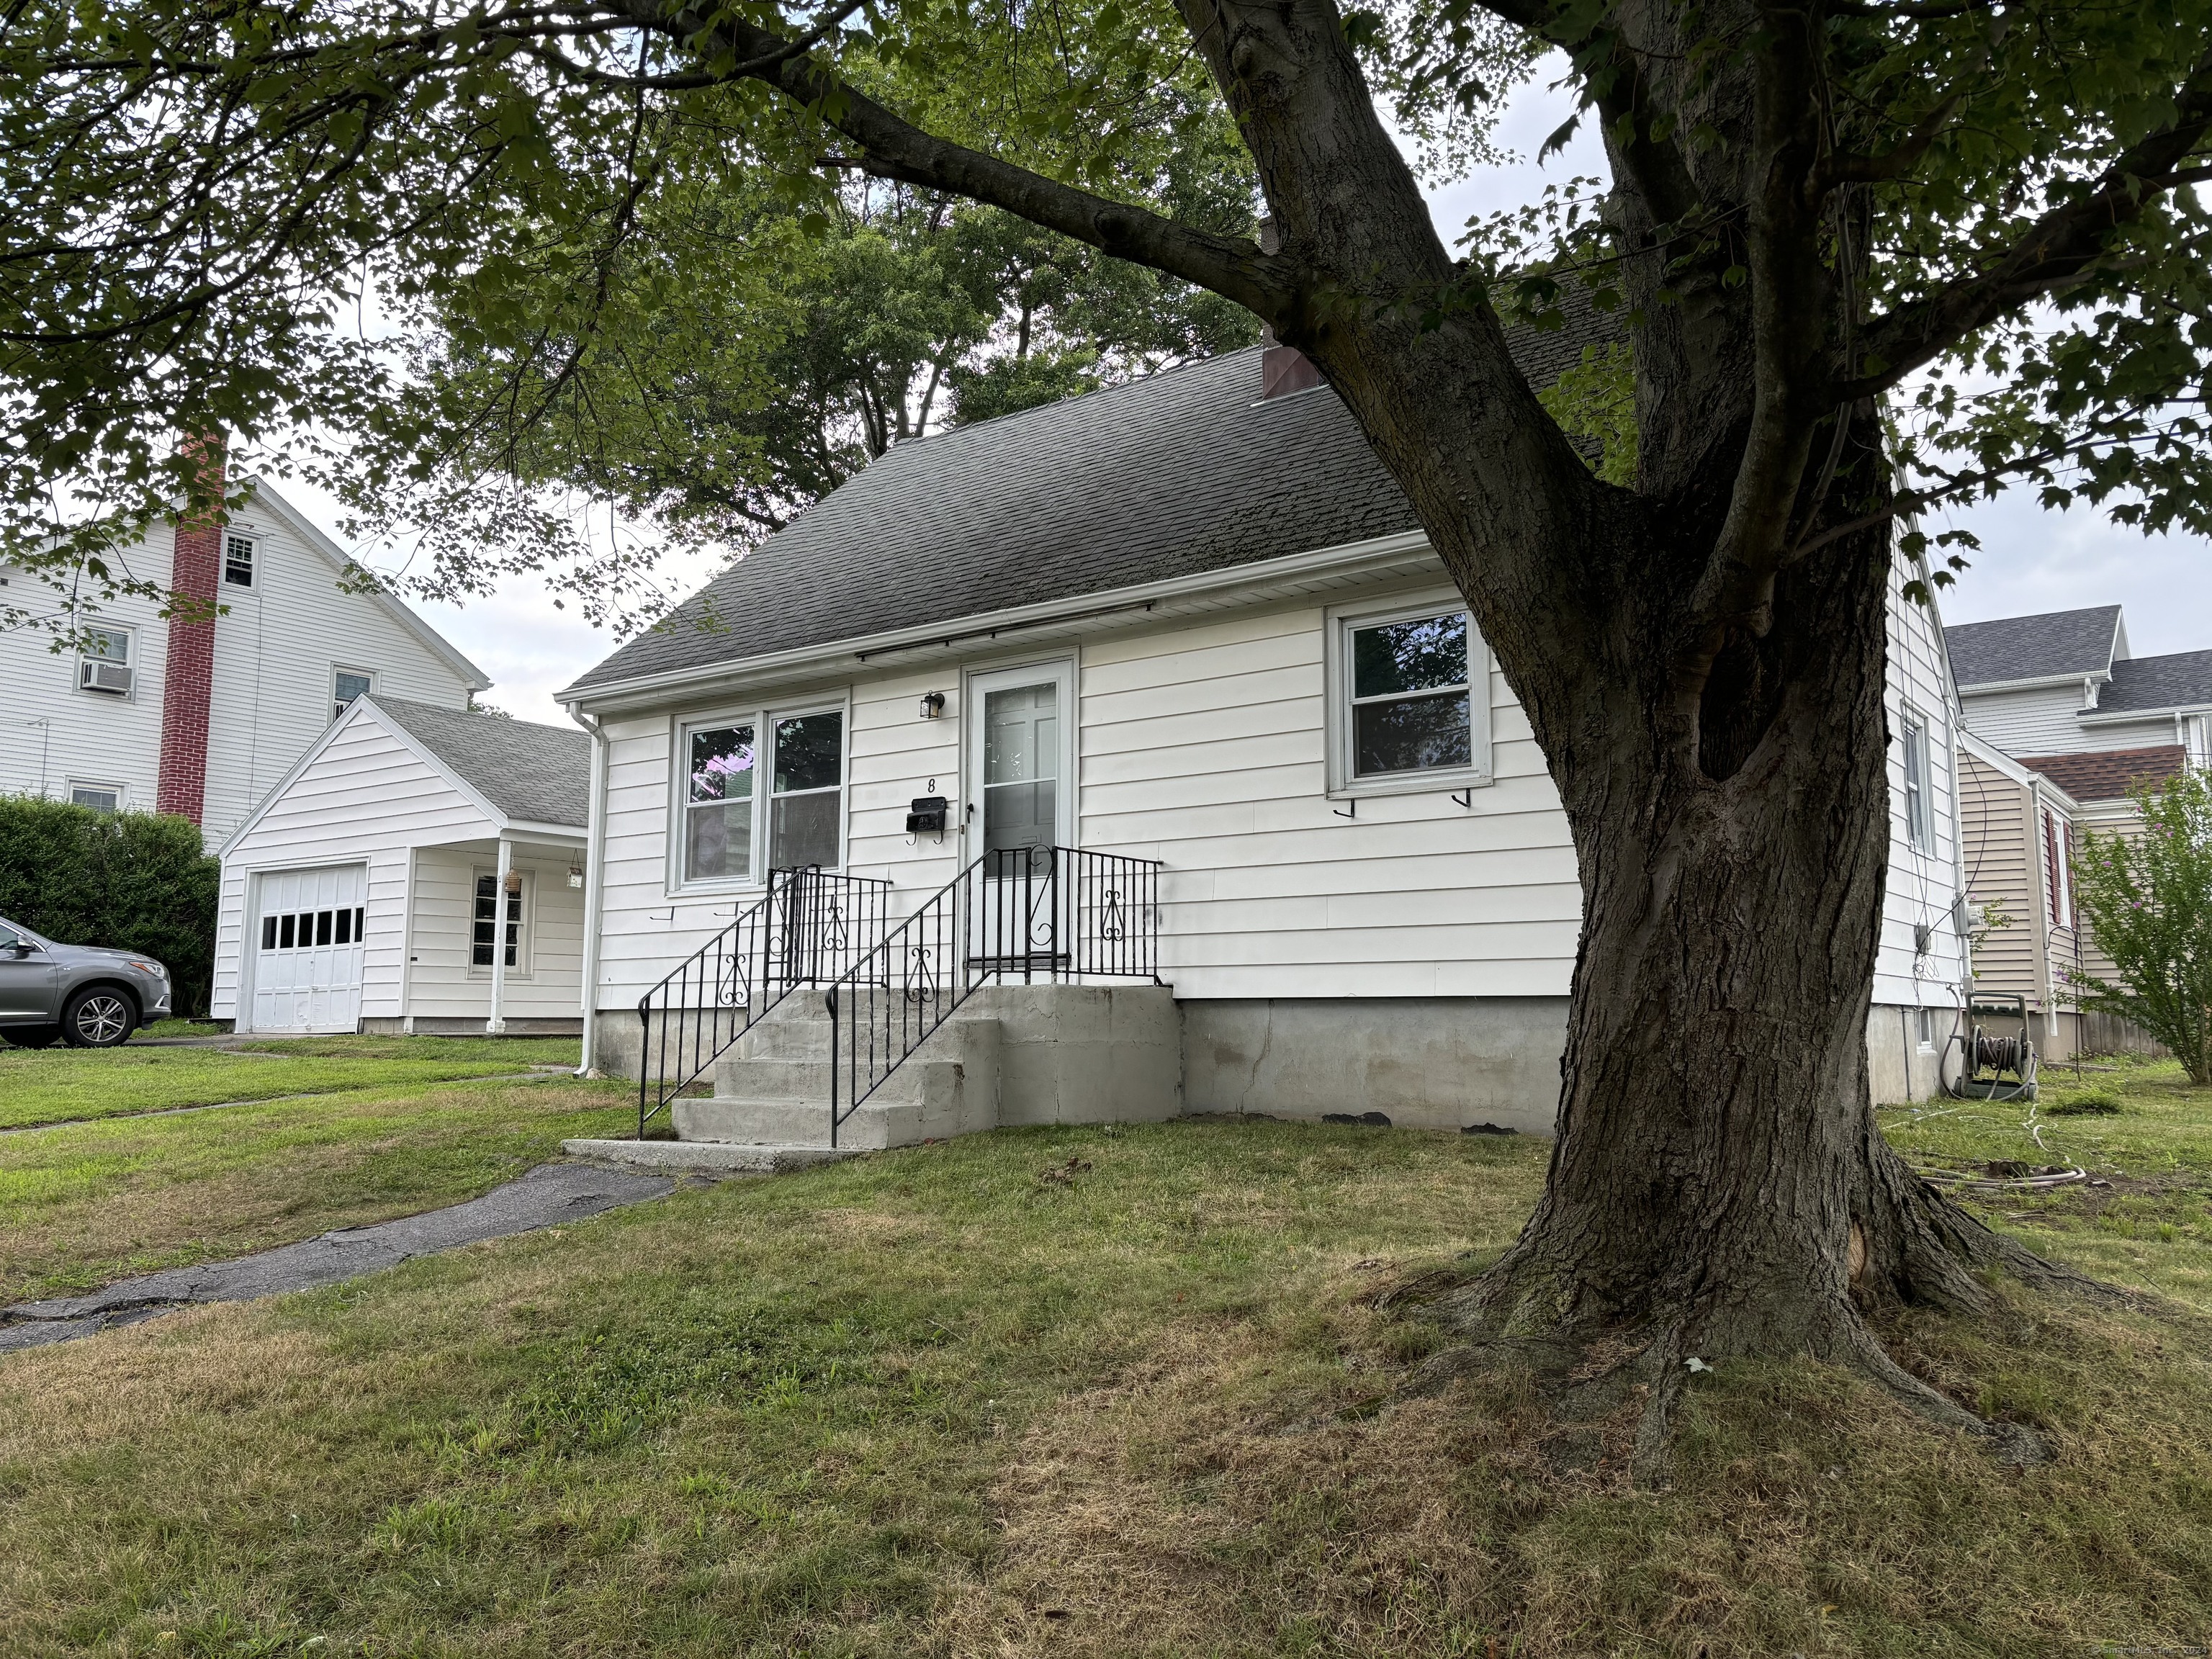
[86, 997]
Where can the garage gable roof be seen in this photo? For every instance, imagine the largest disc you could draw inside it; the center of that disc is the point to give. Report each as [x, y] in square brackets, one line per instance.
[530, 774]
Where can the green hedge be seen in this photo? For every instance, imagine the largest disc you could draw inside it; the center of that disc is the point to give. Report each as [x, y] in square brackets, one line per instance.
[131, 881]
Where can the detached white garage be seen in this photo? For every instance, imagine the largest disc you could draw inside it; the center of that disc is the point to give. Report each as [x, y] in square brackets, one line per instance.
[420, 870]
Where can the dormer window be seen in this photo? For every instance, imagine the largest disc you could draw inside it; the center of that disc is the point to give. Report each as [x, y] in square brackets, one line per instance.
[238, 560]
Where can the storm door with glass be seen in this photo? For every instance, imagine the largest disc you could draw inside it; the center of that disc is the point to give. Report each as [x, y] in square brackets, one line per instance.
[1020, 806]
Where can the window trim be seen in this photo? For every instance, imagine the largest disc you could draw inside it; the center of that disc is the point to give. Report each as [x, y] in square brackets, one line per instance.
[526, 938]
[762, 717]
[1343, 782]
[338, 668]
[1918, 799]
[252, 560]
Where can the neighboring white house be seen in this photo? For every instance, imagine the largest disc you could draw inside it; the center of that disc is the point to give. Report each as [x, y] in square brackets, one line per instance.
[419, 869]
[198, 717]
[2066, 683]
[1186, 620]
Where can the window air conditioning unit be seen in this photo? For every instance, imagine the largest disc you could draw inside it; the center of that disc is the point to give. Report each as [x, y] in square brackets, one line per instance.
[113, 677]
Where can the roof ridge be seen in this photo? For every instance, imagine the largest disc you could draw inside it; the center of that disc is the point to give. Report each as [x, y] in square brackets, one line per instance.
[1068, 403]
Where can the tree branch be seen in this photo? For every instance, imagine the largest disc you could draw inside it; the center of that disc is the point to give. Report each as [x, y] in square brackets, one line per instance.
[2061, 246]
[891, 148]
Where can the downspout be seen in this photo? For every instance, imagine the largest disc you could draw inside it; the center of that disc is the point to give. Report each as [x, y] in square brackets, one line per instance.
[594, 883]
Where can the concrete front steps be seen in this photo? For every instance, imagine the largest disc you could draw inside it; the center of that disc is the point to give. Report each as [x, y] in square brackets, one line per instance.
[1010, 1054]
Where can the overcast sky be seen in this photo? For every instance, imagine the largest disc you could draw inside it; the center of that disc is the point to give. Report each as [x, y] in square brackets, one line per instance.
[2031, 560]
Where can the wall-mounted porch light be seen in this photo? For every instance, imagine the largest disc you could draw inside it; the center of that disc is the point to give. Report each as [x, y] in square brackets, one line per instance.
[932, 704]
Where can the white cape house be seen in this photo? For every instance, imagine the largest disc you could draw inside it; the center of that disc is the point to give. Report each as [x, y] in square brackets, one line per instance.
[1185, 620]
[420, 869]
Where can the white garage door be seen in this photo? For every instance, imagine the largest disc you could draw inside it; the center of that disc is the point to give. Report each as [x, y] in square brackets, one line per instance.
[307, 962]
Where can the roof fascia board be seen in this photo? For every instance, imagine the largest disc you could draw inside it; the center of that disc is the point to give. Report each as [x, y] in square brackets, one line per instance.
[2130, 716]
[309, 532]
[1255, 579]
[2101, 676]
[1995, 758]
[314, 752]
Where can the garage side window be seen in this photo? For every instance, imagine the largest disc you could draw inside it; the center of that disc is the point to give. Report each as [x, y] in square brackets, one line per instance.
[718, 809]
[487, 924]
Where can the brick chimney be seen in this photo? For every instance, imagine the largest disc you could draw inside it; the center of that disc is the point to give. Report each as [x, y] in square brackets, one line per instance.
[188, 683]
[1283, 369]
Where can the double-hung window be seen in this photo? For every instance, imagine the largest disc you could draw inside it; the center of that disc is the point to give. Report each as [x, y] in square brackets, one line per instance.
[238, 560]
[1411, 700]
[762, 791]
[489, 919]
[1919, 819]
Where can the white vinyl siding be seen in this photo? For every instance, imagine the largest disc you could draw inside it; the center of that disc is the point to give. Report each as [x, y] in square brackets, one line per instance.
[1205, 745]
[277, 651]
[1923, 868]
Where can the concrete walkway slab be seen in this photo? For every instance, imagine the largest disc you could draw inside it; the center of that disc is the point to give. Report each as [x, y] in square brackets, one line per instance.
[547, 1196]
[702, 1157]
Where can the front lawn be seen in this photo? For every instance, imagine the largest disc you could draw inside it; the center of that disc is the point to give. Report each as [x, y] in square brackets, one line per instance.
[1070, 1392]
[59, 1085]
[85, 1204]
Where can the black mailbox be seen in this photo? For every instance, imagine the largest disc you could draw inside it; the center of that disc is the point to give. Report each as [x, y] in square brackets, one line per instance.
[928, 816]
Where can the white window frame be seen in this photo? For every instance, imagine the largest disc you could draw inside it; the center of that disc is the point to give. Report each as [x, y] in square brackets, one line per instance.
[1919, 794]
[121, 792]
[1343, 782]
[338, 668]
[1924, 1030]
[129, 635]
[525, 929]
[252, 561]
[762, 719]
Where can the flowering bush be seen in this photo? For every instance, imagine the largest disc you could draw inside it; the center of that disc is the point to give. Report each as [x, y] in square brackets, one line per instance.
[2148, 900]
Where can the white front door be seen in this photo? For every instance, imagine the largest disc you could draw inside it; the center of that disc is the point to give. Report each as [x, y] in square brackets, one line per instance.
[307, 948]
[1020, 802]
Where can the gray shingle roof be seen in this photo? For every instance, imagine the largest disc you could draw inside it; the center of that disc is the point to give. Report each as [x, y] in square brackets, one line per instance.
[2033, 647]
[532, 774]
[1178, 474]
[2183, 680]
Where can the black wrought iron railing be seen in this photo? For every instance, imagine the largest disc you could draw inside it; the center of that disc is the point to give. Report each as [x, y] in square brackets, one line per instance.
[811, 927]
[1026, 914]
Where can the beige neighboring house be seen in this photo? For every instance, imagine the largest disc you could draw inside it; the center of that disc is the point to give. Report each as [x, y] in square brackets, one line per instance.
[2062, 720]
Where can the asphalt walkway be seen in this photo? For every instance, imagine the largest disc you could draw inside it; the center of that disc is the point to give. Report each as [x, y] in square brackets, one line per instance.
[547, 1196]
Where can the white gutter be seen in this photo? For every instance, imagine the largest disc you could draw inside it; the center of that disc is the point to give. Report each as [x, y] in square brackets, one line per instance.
[2179, 711]
[2042, 681]
[827, 654]
[594, 882]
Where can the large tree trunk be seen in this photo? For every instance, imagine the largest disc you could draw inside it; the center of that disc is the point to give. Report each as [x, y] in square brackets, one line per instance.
[1714, 727]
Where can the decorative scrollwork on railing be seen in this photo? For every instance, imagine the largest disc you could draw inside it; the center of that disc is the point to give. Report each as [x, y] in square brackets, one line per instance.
[1111, 924]
[921, 984]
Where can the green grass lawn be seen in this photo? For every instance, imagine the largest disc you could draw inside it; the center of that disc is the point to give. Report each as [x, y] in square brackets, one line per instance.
[53, 1085]
[85, 1204]
[934, 1402]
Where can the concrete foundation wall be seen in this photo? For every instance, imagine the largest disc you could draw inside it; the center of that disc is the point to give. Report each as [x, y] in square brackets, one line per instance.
[1095, 1053]
[425, 1025]
[1426, 1062]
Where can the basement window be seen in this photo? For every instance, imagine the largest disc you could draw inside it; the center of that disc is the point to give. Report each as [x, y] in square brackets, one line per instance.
[100, 797]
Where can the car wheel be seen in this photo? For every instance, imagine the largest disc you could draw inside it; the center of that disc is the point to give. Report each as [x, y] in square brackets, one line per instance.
[32, 1036]
[97, 1018]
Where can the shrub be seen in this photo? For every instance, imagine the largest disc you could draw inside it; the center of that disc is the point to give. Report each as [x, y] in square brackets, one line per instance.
[129, 880]
[2148, 898]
